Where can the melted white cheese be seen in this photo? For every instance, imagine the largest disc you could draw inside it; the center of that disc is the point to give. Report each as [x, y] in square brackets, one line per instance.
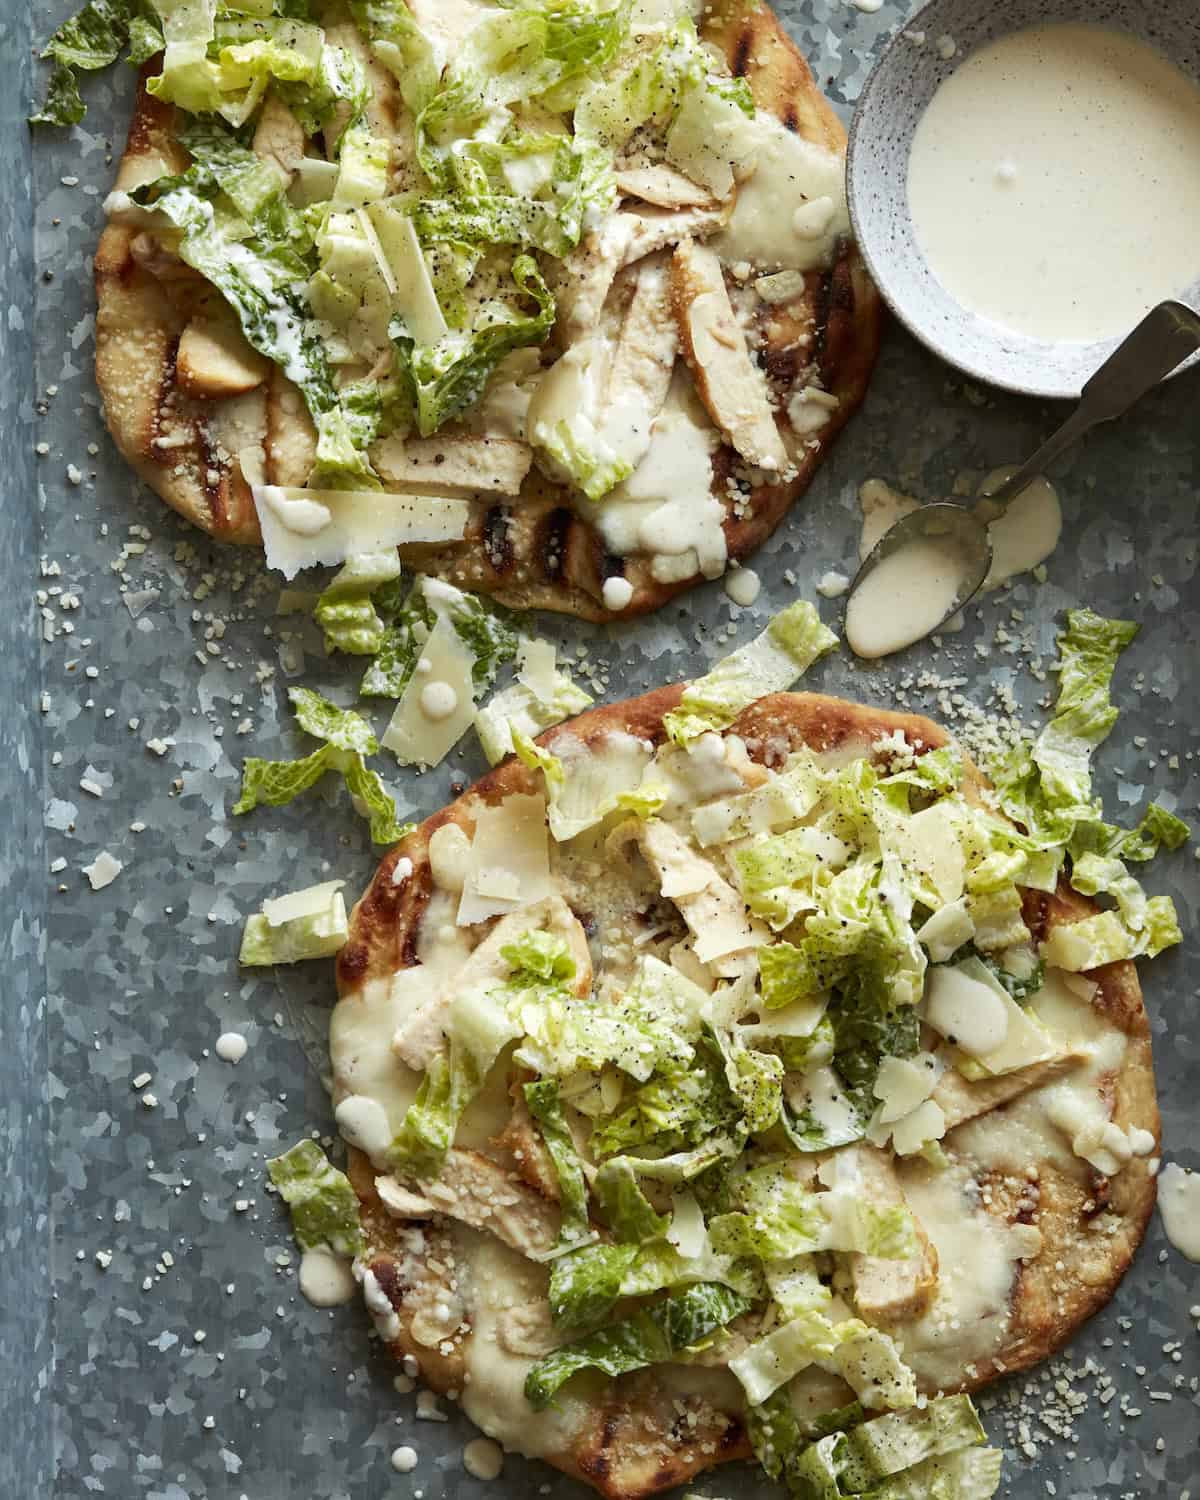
[1054, 181]
[791, 211]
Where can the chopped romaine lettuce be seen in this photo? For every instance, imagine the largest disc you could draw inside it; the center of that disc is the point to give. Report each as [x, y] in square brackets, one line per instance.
[585, 1284]
[409, 621]
[533, 703]
[306, 928]
[545, 1106]
[92, 38]
[656, 1334]
[778, 1217]
[1105, 938]
[585, 785]
[770, 663]
[348, 739]
[898, 1440]
[345, 611]
[623, 1206]
[323, 1204]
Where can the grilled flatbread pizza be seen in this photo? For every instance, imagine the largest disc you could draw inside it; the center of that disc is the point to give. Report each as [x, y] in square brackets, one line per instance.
[559, 298]
[724, 1075]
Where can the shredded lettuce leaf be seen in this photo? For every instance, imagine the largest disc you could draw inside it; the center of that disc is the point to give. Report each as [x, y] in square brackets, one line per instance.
[323, 1204]
[543, 1102]
[770, 663]
[91, 39]
[346, 612]
[486, 629]
[348, 740]
[778, 1218]
[677, 1324]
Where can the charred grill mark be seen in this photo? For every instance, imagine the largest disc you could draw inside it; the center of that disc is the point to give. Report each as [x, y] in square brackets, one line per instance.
[162, 401]
[552, 542]
[791, 118]
[352, 962]
[822, 303]
[212, 477]
[1099, 1198]
[732, 1436]
[497, 538]
[783, 365]
[837, 326]
[1035, 909]
[387, 1274]
[612, 566]
[741, 52]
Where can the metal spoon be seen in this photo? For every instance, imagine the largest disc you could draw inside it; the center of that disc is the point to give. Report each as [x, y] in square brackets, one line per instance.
[1165, 337]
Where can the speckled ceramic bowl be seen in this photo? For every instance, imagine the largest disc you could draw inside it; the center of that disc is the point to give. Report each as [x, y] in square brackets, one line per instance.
[902, 83]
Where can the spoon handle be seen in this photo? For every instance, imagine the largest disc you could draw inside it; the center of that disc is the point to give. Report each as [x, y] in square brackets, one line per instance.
[1164, 338]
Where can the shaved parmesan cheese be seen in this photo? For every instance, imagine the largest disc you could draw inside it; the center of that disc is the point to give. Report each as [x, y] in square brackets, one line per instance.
[103, 870]
[427, 724]
[307, 903]
[510, 860]
[929, 842]
[303, 528]
[946, 931]
[686, 1230]
[537, 669]
[396, 247]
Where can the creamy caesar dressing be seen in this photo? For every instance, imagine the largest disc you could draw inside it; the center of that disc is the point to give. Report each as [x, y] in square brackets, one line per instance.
[791, 211]
[1054, 181]
[905, 596]
[1026, 533]
[1179, 1205]
[326, 1280]
[978, 1257]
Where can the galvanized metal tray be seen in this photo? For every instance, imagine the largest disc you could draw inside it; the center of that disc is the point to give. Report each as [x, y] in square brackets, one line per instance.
[152, 1340]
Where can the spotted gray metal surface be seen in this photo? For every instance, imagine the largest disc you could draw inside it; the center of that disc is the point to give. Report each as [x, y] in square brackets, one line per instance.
[174, 1298]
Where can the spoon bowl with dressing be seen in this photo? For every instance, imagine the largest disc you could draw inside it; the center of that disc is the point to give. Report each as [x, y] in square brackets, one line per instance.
[933, 561]
[1024, 180]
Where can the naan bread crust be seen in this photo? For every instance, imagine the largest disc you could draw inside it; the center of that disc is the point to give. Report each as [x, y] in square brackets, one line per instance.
[536, 551]
[630, 1437]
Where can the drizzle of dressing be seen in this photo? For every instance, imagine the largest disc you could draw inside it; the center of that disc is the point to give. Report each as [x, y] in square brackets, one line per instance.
[1179, 1205]
[483, 1459]
[742, 586]
[438, 700]
[404, 1459]
[904, 597]
[326, 1280]
[617, 593]
[231, 1046]
[1054, 181]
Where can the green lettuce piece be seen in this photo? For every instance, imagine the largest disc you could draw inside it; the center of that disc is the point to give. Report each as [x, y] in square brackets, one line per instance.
[545, 1106]
[652, 1336]
[315, 934]
[583, 789]
[409, 619]
[449, 376]
[1157, 829]
[400, 45]
[340, 727]
[323, 1204]
[624, 1207]
[773, 1360]
[1084, 713]
[585, 1284]
[754, 1078]
[778, 1434]
[967, 1474]
[226, 68]
[348, 738]
[345, 611]
[674, 1111]
[889, 1444]
[539, 956]
[276, 782]
[363, 169]
[777, 1218]
[478, 1028]
[91, 39]
[770, 663]
[1105, 938]
[341, 461]
[517, 709]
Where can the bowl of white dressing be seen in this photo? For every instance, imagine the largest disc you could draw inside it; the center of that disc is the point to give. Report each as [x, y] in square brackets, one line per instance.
[1024, 180]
